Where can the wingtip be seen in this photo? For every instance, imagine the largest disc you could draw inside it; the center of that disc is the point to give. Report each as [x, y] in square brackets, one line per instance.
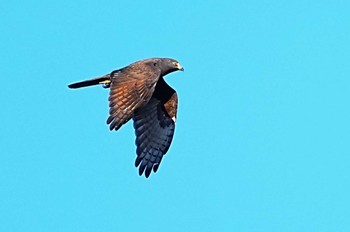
[148, 172]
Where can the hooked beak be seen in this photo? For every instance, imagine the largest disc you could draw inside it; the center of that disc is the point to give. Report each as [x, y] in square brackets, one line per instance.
[180, 67]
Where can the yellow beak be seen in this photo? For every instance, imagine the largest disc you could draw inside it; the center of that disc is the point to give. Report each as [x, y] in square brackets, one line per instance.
[180, 67]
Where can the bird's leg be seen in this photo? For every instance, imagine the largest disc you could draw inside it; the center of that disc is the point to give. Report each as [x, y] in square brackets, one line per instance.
[106, 83]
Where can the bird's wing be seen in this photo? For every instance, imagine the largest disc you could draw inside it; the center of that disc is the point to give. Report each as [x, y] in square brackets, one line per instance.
[154, 126]
[130, 88]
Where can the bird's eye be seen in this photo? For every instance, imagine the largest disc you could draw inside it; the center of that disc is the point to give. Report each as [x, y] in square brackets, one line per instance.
[154, 64]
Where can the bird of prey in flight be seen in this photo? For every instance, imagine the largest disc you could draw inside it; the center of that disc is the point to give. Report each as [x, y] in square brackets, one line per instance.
[138, 91]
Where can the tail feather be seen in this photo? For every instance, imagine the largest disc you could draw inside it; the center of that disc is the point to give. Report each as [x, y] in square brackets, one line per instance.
[95, 81]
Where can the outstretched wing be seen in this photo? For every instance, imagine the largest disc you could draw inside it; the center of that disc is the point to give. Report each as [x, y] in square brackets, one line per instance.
[154, 126]
[130, 88]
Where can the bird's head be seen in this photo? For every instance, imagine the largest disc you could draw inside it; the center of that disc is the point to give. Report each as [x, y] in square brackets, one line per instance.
[167, 65]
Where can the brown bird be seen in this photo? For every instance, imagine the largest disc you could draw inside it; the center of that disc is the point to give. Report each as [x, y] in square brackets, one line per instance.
[138, 91]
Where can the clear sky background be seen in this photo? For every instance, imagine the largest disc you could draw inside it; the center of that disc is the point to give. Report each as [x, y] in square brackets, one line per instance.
[262, 137]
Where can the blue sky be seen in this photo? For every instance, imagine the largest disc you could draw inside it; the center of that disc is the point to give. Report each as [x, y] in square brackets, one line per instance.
[262, 137]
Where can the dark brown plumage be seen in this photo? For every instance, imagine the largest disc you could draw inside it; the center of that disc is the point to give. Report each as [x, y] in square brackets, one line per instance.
[138, 91]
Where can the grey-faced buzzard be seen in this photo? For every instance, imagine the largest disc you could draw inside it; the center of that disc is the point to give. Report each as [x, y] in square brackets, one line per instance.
[138, 91]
